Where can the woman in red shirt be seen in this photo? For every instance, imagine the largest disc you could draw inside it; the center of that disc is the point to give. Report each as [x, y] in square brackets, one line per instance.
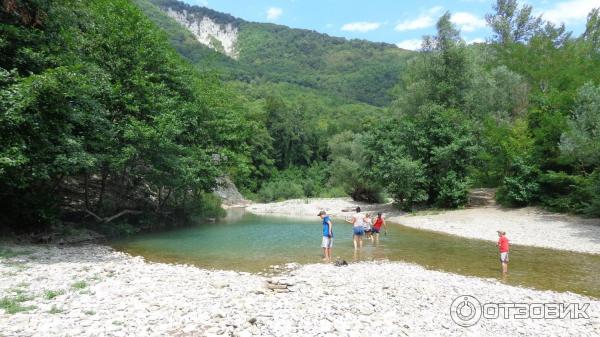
[377, 226]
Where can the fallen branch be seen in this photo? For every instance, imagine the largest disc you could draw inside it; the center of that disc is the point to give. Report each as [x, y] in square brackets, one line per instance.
[111, 218]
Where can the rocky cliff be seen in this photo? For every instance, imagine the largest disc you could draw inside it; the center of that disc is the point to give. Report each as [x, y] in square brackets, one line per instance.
[221, 37]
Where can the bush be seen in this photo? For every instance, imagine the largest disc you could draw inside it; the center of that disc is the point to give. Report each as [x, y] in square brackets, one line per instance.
[406, 182]
[280, 190]
[561, 192]
[209, 206]
[520, 187]
[592, 206]
[452, 191]
[115, 229]
[348, 162]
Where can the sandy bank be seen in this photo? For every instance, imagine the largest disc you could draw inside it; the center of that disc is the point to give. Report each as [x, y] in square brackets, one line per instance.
[526, 226]
[126, 296]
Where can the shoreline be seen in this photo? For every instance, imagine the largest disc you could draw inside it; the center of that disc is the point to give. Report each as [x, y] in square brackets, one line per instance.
[99, 291]
[528, 226]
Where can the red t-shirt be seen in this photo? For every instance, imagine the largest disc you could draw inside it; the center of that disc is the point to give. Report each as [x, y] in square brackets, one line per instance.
[378, 223]
[503, 244]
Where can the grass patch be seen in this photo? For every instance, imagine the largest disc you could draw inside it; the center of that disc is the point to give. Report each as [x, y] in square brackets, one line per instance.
[17, 291]
[7, 253]
[79, 285]
[118, 323]
[55, 310]
[51, 294]
[13, 305]
[89, 312]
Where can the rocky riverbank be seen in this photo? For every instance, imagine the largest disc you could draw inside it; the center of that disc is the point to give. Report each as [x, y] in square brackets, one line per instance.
[525, 226]
[95, 291]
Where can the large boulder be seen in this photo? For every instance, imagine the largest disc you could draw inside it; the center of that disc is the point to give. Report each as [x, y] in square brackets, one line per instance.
[229, 194]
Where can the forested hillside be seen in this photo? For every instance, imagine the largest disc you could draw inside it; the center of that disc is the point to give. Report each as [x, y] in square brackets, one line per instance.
[305, 86]
[356, 70]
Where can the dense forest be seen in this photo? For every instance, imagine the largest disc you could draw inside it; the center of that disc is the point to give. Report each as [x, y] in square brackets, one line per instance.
[113, 115]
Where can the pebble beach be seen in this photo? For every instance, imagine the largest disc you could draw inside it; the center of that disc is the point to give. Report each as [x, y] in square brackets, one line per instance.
[92, 290]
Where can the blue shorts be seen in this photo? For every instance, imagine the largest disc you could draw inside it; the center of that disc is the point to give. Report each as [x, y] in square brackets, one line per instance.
[359, 231]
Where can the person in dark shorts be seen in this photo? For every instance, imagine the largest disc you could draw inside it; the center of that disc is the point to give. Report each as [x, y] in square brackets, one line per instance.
[377, 226]
[327, 241]
[357, 228]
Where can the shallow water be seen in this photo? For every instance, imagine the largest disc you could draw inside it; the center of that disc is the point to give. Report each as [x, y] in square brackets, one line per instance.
[247, 242]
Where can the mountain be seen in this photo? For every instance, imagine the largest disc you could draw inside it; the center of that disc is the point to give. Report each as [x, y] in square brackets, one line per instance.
[355, 70]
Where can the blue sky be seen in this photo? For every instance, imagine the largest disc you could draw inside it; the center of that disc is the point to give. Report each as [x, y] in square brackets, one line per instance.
[399, 22]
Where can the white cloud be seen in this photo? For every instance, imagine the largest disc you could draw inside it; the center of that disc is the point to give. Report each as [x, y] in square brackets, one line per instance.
[412, 44]
[467, 22]
[475, 40]
[274, 13]
[418, 23]
[569, 11]
[423, 21]
[361, 26]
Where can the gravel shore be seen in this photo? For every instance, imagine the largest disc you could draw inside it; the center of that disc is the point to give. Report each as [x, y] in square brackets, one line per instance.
[95, 291]
[526, 226]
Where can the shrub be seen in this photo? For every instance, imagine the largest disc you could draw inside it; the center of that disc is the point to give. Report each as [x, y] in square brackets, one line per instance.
[209, 206]
[592, 205]
[520, 187]
[561, 192]
[51, 294]
[80, 285]
[12, 305]
[406, 182]
[452, 191]
[280, 190]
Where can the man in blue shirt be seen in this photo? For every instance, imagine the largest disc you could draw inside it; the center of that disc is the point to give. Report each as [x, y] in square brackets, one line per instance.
[327, 235]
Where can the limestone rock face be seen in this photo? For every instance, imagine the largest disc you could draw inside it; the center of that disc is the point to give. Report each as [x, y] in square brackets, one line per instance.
[220, 37]
[228, 192]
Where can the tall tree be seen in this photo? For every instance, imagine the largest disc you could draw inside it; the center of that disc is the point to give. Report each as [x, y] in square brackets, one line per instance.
[512, 24]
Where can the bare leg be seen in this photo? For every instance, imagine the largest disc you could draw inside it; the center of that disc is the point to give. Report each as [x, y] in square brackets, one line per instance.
[355, 241]
[324, 254]
[504, 267]
[360, 241]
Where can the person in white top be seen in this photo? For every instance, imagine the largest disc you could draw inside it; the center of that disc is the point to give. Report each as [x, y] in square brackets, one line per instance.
[367, 222]
[357, 228]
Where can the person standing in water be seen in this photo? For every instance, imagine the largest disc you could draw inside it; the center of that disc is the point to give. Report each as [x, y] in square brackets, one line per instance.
[367, 222]
[327, 242]
[377, 226]
[503, 247]
[357, 228]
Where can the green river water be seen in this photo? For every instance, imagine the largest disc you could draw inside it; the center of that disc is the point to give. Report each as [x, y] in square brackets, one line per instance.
[247, 242]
